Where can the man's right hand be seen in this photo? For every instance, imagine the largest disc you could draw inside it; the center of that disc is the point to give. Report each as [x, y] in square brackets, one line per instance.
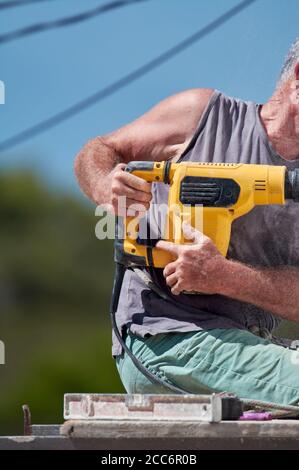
[130, 195]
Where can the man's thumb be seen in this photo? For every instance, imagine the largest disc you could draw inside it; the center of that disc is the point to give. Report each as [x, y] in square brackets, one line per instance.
[191, 233]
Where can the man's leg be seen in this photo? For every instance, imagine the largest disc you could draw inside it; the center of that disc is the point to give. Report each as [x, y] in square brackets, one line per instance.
[215, 360]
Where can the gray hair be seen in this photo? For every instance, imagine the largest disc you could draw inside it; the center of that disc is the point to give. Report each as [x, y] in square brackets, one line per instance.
[290, 62]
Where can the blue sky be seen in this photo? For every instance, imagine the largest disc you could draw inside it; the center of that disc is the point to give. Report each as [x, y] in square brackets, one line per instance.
[48, 72]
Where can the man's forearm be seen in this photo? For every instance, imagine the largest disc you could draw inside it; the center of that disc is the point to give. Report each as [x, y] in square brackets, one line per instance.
[274, 290]
[93, 166]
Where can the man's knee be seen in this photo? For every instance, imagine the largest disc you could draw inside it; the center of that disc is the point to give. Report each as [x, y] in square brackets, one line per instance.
[134, 381]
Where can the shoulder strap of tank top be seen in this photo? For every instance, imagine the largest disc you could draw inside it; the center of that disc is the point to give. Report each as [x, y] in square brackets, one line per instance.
[202, 122]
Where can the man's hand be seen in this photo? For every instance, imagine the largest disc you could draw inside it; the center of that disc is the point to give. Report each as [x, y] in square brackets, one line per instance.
[130, 195]
[199, 265]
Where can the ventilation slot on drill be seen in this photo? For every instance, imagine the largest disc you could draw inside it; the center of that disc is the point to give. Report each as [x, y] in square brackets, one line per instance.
[209, 192]
[223, 165]
[199, 193]
[260, 185]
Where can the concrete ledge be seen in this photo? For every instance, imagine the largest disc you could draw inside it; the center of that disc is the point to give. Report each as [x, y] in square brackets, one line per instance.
[187, 435]
[151, 435]
[35, 443]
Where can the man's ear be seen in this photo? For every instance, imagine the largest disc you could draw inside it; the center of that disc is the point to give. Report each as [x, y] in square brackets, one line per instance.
[297, 71]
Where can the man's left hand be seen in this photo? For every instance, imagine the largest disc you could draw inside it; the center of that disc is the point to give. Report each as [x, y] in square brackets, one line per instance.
[199, 265]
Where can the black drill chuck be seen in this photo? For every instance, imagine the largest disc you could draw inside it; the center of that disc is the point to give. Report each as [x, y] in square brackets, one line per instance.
[292, 185]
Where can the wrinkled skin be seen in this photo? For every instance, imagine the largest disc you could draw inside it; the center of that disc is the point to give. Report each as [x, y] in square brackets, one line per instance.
[135, 192]
[199, 265]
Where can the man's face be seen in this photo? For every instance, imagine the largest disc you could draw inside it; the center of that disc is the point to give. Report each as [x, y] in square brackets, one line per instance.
[294, 96]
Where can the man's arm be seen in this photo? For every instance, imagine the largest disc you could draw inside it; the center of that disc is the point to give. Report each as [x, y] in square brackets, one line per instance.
[200, 267]
[273, 289]
[161, 134]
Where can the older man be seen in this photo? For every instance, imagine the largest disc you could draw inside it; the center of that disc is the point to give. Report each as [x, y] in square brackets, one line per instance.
[206, 343]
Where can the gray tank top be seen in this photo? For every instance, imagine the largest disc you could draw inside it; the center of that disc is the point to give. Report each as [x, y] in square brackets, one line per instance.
[230, 130]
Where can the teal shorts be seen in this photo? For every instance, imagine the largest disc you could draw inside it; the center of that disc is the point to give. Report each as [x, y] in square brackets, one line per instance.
[219, 360]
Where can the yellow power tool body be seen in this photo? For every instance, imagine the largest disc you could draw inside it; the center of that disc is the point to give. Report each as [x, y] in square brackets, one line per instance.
[209, 196]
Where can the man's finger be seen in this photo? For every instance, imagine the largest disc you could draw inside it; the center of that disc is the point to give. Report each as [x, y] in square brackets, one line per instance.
[131, 208]
[172, 248]
[169, 269]
[192, 234]
[172, 279]
[134, 181]
[176, 289]
[124, 190]
[132, 204]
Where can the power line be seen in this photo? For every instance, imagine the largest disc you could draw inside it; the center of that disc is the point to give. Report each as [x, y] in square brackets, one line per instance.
[124, 81]
[18, 3]
[65, 21]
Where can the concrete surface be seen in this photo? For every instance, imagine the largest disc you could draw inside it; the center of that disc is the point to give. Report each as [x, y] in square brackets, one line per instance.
[188, 435]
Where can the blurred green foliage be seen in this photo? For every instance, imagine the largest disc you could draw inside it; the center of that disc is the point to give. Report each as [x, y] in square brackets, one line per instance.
[55, 284]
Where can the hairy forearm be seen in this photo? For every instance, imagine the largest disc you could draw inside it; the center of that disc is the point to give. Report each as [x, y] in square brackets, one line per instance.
[93, 167]
[273, 289]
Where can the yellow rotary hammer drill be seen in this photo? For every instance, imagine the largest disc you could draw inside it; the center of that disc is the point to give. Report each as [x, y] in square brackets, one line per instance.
[214, 193]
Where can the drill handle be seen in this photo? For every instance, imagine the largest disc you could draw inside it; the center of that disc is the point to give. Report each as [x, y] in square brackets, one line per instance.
[128, 251]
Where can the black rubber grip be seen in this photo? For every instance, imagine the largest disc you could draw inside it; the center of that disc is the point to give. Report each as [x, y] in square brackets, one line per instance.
[139, 166]
[292, 185]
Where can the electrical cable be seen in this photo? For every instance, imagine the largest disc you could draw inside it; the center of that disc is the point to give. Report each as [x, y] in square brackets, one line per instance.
[18, 3]
[270, 405]
[126, 80]
[65, 21]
